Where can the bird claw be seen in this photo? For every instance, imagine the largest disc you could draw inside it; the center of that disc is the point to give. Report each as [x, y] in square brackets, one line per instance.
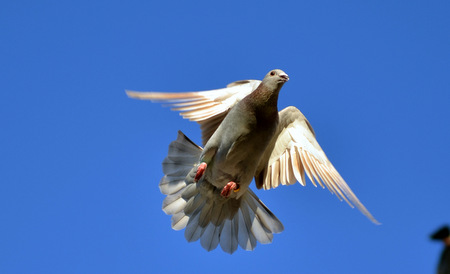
[200, 171]
[226, 191]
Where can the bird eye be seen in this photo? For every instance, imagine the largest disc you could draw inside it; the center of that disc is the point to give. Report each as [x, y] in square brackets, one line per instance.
[272, 73]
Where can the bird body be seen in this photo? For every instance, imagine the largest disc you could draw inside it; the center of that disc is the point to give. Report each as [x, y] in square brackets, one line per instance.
[244, 137]
[234, 150]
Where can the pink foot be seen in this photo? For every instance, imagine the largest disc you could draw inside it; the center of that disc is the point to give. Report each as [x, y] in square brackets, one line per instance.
[200, 170]
[226, 191]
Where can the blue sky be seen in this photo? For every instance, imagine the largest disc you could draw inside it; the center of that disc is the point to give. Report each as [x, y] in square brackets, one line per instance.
[80, 162]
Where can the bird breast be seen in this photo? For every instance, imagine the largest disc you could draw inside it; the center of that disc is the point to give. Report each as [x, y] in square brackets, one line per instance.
[239, 150]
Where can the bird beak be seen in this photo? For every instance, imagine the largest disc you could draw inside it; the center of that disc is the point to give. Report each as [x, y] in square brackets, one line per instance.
[284, 76]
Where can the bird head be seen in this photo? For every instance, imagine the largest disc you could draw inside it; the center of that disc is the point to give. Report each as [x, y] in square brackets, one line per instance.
[275, 79]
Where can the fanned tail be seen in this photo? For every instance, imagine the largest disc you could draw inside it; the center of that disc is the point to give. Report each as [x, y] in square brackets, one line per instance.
[206, 215]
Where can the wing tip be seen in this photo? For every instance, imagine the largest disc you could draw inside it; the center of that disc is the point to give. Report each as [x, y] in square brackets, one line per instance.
[130, 93]
[372, 219]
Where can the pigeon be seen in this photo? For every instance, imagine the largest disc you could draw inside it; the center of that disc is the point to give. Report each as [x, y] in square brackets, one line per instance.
[244, 138]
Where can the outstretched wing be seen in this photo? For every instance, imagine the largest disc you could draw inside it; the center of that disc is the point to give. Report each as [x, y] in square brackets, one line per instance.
[295, 151]
[208, 108]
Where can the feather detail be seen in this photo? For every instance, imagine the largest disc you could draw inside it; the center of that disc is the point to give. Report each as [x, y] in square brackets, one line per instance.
[211, 237]
[297, 166]
[179, 221]
[246, 239]
[202, 106]
[228, 236]
[295, 151]
[193, 231]
[174, 203]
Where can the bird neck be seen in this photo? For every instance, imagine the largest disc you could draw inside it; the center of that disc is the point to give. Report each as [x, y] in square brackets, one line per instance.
[264, 99]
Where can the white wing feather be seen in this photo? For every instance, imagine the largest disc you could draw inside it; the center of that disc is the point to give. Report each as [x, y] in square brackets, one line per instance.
[295, 152]
[208, 108]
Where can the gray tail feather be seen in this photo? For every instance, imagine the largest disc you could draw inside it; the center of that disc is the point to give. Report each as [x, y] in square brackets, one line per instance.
[212, 219]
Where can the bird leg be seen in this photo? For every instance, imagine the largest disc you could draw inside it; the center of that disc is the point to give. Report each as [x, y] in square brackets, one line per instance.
[226, 191]
[200, 170]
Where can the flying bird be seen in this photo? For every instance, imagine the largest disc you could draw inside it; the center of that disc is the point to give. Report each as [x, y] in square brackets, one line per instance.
[245, 137]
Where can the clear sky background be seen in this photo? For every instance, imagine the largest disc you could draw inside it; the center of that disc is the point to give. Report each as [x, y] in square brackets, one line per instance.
[80, 162]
